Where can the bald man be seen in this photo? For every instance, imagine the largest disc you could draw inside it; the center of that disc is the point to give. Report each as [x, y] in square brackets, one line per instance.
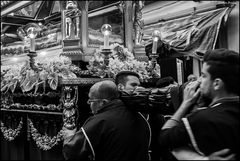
[112, 133]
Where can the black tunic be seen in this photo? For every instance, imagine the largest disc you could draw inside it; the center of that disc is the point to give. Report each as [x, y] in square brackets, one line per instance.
[115, 133]
[207, 130]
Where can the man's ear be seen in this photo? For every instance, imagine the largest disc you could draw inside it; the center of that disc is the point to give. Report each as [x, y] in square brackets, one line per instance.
[120, 87]
[218, 84]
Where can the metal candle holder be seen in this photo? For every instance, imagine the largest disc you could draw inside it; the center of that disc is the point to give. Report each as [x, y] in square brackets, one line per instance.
[31, 55]
[106, 53]
[32, 32]
[154, 55]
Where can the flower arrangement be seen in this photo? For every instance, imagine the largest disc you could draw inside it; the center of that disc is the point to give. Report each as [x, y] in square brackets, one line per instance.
[48, 71]
[121, 59]
[10, 134]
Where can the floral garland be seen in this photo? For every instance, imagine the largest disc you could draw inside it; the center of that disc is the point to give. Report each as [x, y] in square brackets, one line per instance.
[11, 134]
[49, 94]
[33, 107]
[44, 142]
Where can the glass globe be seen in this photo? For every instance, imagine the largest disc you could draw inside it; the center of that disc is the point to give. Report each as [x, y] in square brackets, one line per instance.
[106, 29]
[31, 32]
[156, 35]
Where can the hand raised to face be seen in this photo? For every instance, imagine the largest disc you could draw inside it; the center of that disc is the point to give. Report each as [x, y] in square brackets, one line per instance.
[191, 92]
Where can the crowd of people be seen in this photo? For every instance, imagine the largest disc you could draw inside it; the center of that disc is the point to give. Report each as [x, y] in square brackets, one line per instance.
[204, 126]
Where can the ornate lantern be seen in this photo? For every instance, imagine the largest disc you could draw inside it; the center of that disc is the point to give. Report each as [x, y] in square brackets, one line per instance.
[30, 31]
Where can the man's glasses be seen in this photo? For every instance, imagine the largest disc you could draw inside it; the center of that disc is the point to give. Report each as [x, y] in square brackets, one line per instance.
[94, 100]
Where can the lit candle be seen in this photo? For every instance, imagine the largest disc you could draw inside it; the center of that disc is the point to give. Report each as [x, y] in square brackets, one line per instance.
[155, 37]
[106, 30]
[106, 41]
[32, 44]
[154, 47]
[32, 33]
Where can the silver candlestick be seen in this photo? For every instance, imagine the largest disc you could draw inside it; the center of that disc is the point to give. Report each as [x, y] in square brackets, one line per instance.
[154, 55]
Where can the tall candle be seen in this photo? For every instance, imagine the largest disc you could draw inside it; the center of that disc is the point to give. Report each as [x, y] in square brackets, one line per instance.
[106, 41]
[32, 44]
[77, 28]
[154, 47]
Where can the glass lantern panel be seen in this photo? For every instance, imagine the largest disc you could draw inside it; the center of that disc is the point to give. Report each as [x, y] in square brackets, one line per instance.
[29, 11]
[113, 18]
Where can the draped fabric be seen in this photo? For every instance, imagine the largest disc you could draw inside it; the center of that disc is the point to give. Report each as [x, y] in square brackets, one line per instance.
[192, 35]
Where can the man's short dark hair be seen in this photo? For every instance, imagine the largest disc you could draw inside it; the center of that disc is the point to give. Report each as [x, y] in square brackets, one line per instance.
[121, 77]
[163, 82]
[224, 64]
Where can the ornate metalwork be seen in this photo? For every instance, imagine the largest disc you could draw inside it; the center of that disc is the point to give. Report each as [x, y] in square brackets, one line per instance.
[82, 81]
[72, 20]
[70, 113]
[138, 21]
[138, 24]
[106, 53]
[31, 55]
[49, 107]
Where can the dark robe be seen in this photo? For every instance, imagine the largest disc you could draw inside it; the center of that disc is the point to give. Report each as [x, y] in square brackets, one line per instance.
[114, 133]
[207, 130]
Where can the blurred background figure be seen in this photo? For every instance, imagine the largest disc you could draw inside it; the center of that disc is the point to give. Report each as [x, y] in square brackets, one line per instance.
[191, 78]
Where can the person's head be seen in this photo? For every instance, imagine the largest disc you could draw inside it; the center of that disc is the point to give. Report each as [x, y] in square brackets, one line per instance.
[191, 78]
[101, 93]
[127, 80]
[166, 81]
[220, 73]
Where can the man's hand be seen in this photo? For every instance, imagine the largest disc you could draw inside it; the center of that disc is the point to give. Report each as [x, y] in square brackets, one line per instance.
[222, 155]
[187, 153]
[191, 92]
[67, 133]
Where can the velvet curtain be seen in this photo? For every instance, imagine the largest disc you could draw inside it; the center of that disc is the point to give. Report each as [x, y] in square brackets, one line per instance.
[192, 35]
